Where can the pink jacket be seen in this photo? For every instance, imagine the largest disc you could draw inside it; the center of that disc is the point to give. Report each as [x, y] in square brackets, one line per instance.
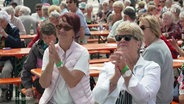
[81, 93]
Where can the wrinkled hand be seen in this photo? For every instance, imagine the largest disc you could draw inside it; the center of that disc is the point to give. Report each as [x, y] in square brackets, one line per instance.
[53, 53]
[29, 92]
[118, 59]
[173, 42]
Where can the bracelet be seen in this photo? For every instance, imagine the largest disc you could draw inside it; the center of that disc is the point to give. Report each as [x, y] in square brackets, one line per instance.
[124, 69]
[59, 64]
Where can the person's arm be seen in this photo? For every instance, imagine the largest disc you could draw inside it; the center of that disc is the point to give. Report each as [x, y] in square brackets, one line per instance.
[107, 87]
[30, 63]
[174, 43]
[12, 38]
[21, 27]
[47, 69]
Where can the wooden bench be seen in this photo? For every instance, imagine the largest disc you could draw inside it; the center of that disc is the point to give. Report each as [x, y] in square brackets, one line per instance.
[92, 40]
[96, 61]
[16, 81]
[173, 102]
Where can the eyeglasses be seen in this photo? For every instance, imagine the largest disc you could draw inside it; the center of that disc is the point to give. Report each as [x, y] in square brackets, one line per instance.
[65, 27]
[127, 37]
[143, 27]
[38, 9]
[69, 2]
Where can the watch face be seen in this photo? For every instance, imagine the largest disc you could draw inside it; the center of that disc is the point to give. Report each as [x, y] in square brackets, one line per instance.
[128, 73]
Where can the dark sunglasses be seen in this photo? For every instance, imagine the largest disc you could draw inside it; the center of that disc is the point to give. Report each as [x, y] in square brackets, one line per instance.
[65, 27]
[125, 37]
[38, 9]
[143, 27]
[69, 2]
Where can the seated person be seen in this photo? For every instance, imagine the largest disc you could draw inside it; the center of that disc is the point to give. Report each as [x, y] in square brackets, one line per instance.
[128, 74]
[9, 37]
[65, 69]
[34, 59]
[129, 15]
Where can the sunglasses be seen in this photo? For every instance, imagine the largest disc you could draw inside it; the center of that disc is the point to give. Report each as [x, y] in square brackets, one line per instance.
[143, 27]
[65, 27]
[125, 37]
[69, 2]
[38, 9]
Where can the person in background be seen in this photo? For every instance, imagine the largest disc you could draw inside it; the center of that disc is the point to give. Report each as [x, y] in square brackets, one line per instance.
[126, 3]
[169, 27]
[17, 9]
[89, 15]
[176, 10]
[63, 7]
[128, 78]
[102, 16]
[34, 59]
[27, 19]
[84, 33]
[65, 68]
[9, 36]
[13, 4]
[53, 18]
[15, 20]
[118, 7]
[45, 13]
[82, 7]
[38, 15]
[129, 15]
[156, 50]
[54, 8]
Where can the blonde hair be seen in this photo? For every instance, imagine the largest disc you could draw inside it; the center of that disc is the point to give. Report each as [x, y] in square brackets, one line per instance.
[131, 28]
[54, 7]
[118, 4]
[153, 24]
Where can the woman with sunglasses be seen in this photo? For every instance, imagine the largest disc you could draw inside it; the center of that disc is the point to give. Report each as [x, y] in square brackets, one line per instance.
[128, 75]
[157, 51]
[65, 65]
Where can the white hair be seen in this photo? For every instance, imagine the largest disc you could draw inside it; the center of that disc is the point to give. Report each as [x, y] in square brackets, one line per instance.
[10, 10]
[4, 16]
[54, 14]
[25, 10]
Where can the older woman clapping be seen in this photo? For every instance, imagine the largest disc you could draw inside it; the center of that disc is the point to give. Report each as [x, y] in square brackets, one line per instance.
[65, 66]
[128, 74]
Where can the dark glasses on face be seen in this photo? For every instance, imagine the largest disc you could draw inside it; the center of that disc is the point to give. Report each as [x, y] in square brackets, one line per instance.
[143, 27]
[65, 27]
[69, 2]
[38, 9]
[125, 37]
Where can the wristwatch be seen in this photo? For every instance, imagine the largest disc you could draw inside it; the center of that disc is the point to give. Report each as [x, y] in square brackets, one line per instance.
[128, 73]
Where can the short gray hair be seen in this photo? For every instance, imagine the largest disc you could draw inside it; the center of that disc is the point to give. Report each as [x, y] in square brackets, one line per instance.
[9, 10]
[54, 14]
[176, 8]
[4, 16]
[25, 10]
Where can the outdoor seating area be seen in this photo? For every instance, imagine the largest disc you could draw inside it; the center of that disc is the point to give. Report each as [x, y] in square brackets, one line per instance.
[91, 51]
